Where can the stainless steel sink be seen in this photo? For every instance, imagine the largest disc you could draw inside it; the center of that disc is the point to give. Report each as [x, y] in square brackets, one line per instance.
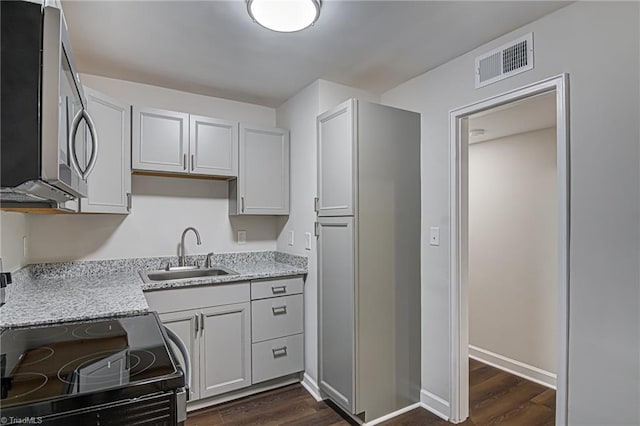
[180, 273]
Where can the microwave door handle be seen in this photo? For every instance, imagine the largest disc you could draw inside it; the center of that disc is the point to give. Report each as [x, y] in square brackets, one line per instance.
[94, 145]
[71, 146]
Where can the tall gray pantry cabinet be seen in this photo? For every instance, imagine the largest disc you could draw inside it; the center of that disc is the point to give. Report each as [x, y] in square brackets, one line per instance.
[368, 230]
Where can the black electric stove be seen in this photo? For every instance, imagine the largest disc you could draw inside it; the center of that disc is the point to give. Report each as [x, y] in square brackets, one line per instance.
[116, 371]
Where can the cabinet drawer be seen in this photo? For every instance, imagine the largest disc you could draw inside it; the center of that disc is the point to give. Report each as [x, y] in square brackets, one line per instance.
[183, 298]
[272, 288]
[277, 357]
[276, 317]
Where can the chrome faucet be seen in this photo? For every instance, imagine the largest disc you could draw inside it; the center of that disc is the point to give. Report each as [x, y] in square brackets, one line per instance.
[181, 253]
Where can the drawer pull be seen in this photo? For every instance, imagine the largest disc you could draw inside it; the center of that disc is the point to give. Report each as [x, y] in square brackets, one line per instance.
[278, 289]
[279, 310]
[279, 352]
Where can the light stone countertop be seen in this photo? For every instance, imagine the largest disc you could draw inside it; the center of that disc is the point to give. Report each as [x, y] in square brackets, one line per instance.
[85, 290]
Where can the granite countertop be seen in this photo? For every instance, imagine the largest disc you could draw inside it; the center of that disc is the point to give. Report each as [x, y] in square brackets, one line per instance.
[51, 300]
[84, 290]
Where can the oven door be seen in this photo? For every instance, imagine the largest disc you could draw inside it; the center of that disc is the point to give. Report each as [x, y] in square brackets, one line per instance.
[69, 143]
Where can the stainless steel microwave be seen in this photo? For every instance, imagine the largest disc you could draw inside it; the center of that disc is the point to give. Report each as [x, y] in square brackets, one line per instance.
[48, 140]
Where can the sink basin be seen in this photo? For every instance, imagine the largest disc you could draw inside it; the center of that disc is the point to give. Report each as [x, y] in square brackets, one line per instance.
[188, 273]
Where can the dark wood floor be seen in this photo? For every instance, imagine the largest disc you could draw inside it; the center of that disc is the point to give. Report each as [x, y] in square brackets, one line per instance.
[495, 398]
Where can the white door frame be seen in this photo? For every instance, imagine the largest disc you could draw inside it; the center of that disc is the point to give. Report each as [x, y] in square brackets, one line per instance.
[458, 190]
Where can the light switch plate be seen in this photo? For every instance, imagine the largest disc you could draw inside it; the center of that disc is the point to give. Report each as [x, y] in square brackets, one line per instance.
[242, 237]
[434, 236]
[307, 240]
[291, 238]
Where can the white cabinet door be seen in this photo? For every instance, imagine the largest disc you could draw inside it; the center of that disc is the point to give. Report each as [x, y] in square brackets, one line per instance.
[336, 301]
[110, 181]
[185, 325]
[213, 146]
[225, 349]
[263, 179]
[160, 140]
[337, 143]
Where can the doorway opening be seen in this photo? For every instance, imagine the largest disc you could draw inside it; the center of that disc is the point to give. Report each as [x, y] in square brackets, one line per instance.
[509, 247]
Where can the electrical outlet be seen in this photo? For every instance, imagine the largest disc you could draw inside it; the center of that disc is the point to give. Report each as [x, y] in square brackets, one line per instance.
[434, 236]
[242, 237]
[291, 238]
[307, 240]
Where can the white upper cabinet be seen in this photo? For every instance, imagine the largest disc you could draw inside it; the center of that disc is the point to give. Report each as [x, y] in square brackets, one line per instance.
[160, 140]
[110, 182]
[262, 187]
[337, 141]
[213, 146]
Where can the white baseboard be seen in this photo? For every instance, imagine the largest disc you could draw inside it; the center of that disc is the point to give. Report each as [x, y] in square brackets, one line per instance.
[512, 366]
[435, 404]
[392, 414]
[312, 387]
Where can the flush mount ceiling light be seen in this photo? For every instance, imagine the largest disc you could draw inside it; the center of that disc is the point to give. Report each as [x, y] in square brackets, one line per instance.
[286, 16]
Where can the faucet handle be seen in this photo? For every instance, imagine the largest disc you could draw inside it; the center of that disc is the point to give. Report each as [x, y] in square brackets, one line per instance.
[207, 263]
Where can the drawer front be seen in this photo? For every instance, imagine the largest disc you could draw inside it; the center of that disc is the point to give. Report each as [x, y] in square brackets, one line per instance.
[276, 317]
[262, 289]
[277, 357]
[195, 297]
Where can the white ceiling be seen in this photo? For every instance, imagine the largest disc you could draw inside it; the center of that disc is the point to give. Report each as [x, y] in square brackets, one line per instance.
[213, 48]
[530, 114]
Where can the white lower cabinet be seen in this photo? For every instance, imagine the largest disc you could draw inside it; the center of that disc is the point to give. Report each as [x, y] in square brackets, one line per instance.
[225, 349]
[276, 328]
[218, 337]
[237, 334]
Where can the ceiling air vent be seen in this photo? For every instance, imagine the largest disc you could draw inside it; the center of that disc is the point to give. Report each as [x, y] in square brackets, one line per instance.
[505, 61]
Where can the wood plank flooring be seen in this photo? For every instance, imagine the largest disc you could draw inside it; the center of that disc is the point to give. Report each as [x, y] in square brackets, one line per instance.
[496, 398]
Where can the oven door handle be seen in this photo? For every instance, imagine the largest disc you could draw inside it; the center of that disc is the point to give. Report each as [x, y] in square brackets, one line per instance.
[185, 355]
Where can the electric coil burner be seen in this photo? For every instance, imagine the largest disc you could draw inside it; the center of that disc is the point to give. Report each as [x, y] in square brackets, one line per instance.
[106, 372]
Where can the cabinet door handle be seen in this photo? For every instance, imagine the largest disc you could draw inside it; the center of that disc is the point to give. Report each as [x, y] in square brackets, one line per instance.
[128, 201]
[316, 204]
[242, 202]
[201, 322]
[278, 352]
[278, 289]
[193, 162]
[197, 324]
[184, 162]
[279, 310]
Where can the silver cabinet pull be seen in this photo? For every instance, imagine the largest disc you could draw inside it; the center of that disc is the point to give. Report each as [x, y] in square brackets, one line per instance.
[184, 162]
[128, 201]
[278, 352]
[197, 323]
[193, 162]
[279, 310]
[316, 204]
[242, 202]
[202, 322]
[278, 289]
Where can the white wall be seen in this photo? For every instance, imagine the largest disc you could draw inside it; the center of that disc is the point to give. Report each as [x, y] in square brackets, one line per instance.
[583, 39]
[161, 207]
[299, 115]
[13, 228]
[513, 247]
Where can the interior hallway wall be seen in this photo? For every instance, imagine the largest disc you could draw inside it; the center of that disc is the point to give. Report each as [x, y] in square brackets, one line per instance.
[513, 247]
[162, 207]
[299, 115]
[604, 323]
